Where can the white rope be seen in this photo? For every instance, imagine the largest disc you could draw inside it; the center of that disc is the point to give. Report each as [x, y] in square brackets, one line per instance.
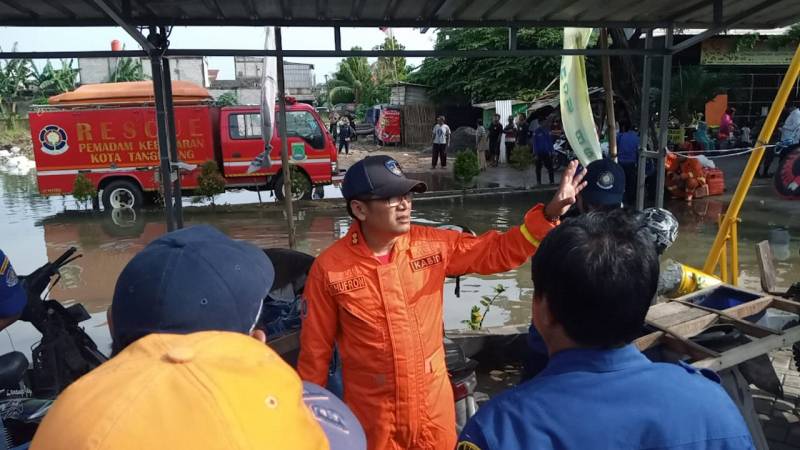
[737, 149]
[737, 152]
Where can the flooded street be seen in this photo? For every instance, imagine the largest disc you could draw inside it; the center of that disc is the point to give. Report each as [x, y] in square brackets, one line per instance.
[35, 229]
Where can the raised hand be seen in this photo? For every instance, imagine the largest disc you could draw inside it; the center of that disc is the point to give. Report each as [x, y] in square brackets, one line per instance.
[571, 185]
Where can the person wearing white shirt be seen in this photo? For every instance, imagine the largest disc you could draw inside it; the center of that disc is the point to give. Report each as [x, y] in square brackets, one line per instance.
[441, 139]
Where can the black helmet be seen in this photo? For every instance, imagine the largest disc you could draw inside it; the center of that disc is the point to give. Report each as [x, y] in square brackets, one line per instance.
[662, 227]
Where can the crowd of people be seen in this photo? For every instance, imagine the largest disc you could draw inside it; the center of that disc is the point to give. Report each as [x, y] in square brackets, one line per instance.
[190, 368]
[518, 133]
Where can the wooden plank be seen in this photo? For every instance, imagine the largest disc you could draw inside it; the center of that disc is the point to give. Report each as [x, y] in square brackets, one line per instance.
[785, 305]
[660, 310]
[648, 340]
[766, 268]
[749, 328]
[695, 326]
[749, 351]
[682, 344]
[750, 308]
[681, 317]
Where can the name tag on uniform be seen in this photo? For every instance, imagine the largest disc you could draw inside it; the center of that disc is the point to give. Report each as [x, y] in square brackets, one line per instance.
[426, 261]
[350, 284]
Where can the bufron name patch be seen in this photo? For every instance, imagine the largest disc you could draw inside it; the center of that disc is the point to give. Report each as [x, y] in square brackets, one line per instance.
[426, 261]
[350, 284]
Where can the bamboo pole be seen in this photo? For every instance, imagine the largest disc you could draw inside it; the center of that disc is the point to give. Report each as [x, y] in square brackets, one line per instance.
[608, 87]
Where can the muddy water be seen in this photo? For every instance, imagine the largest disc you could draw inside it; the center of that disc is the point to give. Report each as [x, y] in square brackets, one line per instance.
[34, 229]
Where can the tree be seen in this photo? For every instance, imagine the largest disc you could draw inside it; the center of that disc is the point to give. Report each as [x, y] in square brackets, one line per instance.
[210, 182]
[230, 98]
[51, 81]
[128, 69]
[356, 81]
[390, 68]
[351, 81]
[83, 190]
[790, 38]
[17, 80]
[463, 80]
[693, 87]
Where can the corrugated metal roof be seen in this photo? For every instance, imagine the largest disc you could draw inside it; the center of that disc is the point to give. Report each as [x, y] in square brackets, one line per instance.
[404, 13]
[552, 99]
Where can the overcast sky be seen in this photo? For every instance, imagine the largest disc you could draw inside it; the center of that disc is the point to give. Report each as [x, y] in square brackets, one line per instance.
[99, 38]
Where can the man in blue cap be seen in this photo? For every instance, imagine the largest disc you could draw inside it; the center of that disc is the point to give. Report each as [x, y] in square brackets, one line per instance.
[605, 187]
[595, 277]
[198, 279]
[377, 294]
[194, 279]
[605, 191]
[12, 295]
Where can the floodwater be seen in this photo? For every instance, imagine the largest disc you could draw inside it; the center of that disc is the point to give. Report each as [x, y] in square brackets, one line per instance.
[34, 229]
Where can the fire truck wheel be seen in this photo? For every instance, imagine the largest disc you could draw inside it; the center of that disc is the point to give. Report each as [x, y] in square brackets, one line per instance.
[301, 191]
[122, 194]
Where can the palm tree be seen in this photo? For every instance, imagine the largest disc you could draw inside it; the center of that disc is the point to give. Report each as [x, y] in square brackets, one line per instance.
[352, 81]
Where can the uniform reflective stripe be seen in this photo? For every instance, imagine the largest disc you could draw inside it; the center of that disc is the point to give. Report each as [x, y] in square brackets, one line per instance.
[528, 236]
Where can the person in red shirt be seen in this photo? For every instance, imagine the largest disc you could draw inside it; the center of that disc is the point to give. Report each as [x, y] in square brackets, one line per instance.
[726, 127]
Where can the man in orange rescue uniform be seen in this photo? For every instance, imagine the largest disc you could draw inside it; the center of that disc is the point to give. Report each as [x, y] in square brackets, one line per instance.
[377, 293]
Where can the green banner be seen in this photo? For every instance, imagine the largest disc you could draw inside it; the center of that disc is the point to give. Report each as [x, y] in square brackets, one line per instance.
[576, 111]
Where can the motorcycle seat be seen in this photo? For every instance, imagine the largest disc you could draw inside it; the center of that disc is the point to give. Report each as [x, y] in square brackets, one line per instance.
[12, 368]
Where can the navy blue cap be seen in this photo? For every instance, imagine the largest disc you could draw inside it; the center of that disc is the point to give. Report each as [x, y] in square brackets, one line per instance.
[605, 183]
[378, 176]
[12, 294]
[340, 425]
[194, 279]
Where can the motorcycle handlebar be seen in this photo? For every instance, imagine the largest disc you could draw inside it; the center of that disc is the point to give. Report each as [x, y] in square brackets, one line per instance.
[36, 282]
[58, 262]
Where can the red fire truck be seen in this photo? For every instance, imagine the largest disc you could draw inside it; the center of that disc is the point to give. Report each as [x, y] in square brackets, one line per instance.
[108, 133]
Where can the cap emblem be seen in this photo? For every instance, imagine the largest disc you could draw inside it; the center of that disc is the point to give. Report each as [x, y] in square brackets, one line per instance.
[394, 167]
[11, 278]
[605, 181]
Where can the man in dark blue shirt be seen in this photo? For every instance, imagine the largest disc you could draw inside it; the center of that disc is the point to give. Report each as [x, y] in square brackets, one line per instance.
[628, 157]
[595, 276]
[543, 151]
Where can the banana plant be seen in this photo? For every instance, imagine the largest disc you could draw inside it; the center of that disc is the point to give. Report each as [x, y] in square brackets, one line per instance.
[17, 80]
[51, 81]
[128, 69]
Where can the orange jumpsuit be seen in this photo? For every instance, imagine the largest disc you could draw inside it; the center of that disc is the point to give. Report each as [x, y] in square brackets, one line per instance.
[387, 321]
[692, 175]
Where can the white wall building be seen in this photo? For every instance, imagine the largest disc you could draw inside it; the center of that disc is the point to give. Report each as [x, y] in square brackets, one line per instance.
[188, 68]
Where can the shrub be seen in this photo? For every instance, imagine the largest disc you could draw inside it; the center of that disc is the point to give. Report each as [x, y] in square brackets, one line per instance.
[466, 166]
[521, 157]
[230, 98]
[83, 190]
[210, 181]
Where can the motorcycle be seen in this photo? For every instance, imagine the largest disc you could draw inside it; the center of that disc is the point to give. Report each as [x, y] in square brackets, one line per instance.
[563, 152]
[64, 353]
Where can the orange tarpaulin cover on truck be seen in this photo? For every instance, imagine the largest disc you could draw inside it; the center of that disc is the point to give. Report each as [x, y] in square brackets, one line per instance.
[130, 92]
